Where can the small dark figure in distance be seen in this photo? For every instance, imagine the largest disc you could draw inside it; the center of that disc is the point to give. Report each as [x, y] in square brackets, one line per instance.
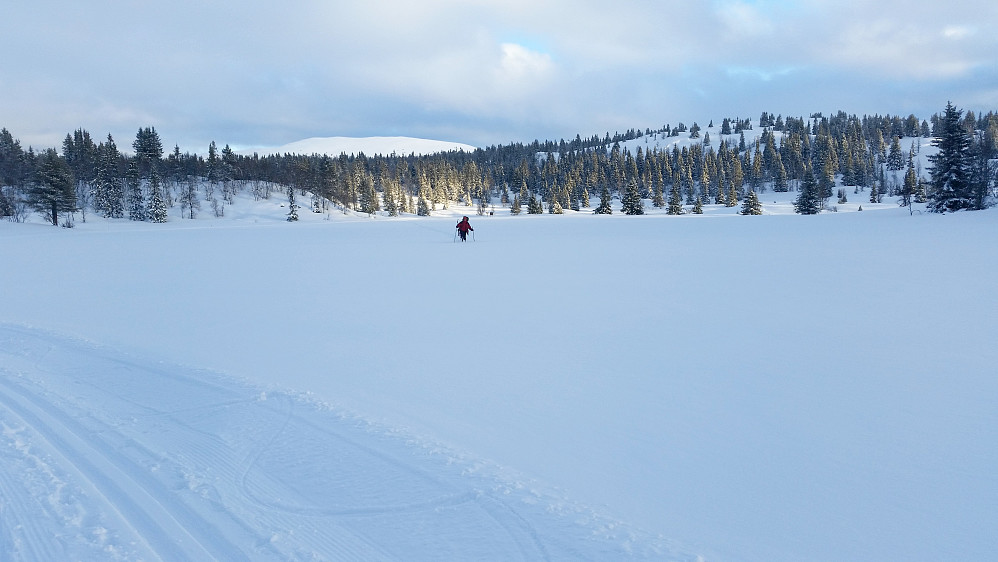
[462, 229]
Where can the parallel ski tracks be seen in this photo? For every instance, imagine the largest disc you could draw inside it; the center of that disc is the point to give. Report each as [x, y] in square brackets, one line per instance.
[171, 529]
[199, 469]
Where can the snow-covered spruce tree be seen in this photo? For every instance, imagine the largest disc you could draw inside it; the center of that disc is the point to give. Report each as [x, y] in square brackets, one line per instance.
[604, 207]
[213, 166]
[368, 195]
[631, 203]
[731, 198]
[675, 201]
[910, 185]
[228, 173]
[698, 206]
[292, 205]
[751, 205]
[808, 202]
[951, 190]
[157, 206]
[875, 194]
[148, 151]
[780, 184]
[983, 169]
[390, 196]
[423, 207]
[826, 181]
[514, 208]
[109, 195]
[133, 193]
[658, 195]
[895, 159]
[534, 206]
[54, 191]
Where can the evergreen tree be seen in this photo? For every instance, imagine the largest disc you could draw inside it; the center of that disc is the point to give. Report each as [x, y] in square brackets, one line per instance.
[514, 208]
[534, 206]
[675, 201]
[292, 205]
[698, 206]
[133, 193]
[157, 206]
[808, 202]
[658, 197]
[631, 203]
[423, 207]
[213, 165]
[53, 190]
[895, 159]
[732, 197]
[604, 202]
[826, 181]
[368, 196]
[951, 189]
[391, 202]
[875, 195]
[228, 175]
[148, 151]
[12, 160]
[780, 184]
[981, 172]
[108, 192]
[751, 206]
[910, 185]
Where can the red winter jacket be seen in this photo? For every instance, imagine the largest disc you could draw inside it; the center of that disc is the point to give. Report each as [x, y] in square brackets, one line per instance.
[464, 225]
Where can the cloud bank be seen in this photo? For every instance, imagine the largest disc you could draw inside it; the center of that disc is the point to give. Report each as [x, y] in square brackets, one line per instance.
[257, 73]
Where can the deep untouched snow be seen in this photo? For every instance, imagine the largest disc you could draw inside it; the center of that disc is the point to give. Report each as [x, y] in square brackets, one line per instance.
[564, 387]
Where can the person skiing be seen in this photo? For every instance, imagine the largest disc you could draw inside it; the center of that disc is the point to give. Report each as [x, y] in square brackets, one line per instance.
[462, 229]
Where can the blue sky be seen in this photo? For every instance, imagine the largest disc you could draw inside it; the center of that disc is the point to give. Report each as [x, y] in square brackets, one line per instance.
[255, 73]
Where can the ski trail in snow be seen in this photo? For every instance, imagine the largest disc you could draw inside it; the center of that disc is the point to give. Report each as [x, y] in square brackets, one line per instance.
[125, 458]
[425, 493]
[109, 474]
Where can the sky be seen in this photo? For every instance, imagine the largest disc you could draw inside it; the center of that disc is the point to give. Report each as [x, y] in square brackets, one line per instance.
[261, 73]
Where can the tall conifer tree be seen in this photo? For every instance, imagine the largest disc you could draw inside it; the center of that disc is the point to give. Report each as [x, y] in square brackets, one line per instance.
[54, 191]
[808, 202]
[951, 189]
[631, 204]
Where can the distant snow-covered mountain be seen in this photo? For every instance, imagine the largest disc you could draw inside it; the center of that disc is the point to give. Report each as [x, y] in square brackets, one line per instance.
[334, 146]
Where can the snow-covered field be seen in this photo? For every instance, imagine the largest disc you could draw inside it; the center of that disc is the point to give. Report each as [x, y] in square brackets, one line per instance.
[571, 387]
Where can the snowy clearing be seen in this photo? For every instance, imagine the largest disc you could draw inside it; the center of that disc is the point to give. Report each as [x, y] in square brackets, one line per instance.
[564, 387]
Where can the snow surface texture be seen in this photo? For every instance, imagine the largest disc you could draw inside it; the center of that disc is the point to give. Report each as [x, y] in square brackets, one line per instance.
[566, 387]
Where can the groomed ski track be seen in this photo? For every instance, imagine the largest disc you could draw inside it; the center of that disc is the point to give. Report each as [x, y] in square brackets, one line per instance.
[109, 456]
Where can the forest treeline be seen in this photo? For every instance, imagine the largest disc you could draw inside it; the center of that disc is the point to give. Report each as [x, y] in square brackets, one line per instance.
[813, 157]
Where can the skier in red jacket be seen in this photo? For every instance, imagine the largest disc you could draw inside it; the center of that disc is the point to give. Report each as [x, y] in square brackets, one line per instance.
[462, 229]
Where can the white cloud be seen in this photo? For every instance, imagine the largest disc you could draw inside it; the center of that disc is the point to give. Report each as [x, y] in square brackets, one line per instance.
[520, 65]
[759, 73]
[744, 20]
[270, 74]
[958, 32]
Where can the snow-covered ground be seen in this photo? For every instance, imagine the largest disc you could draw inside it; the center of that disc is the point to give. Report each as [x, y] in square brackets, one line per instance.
[778, 387]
